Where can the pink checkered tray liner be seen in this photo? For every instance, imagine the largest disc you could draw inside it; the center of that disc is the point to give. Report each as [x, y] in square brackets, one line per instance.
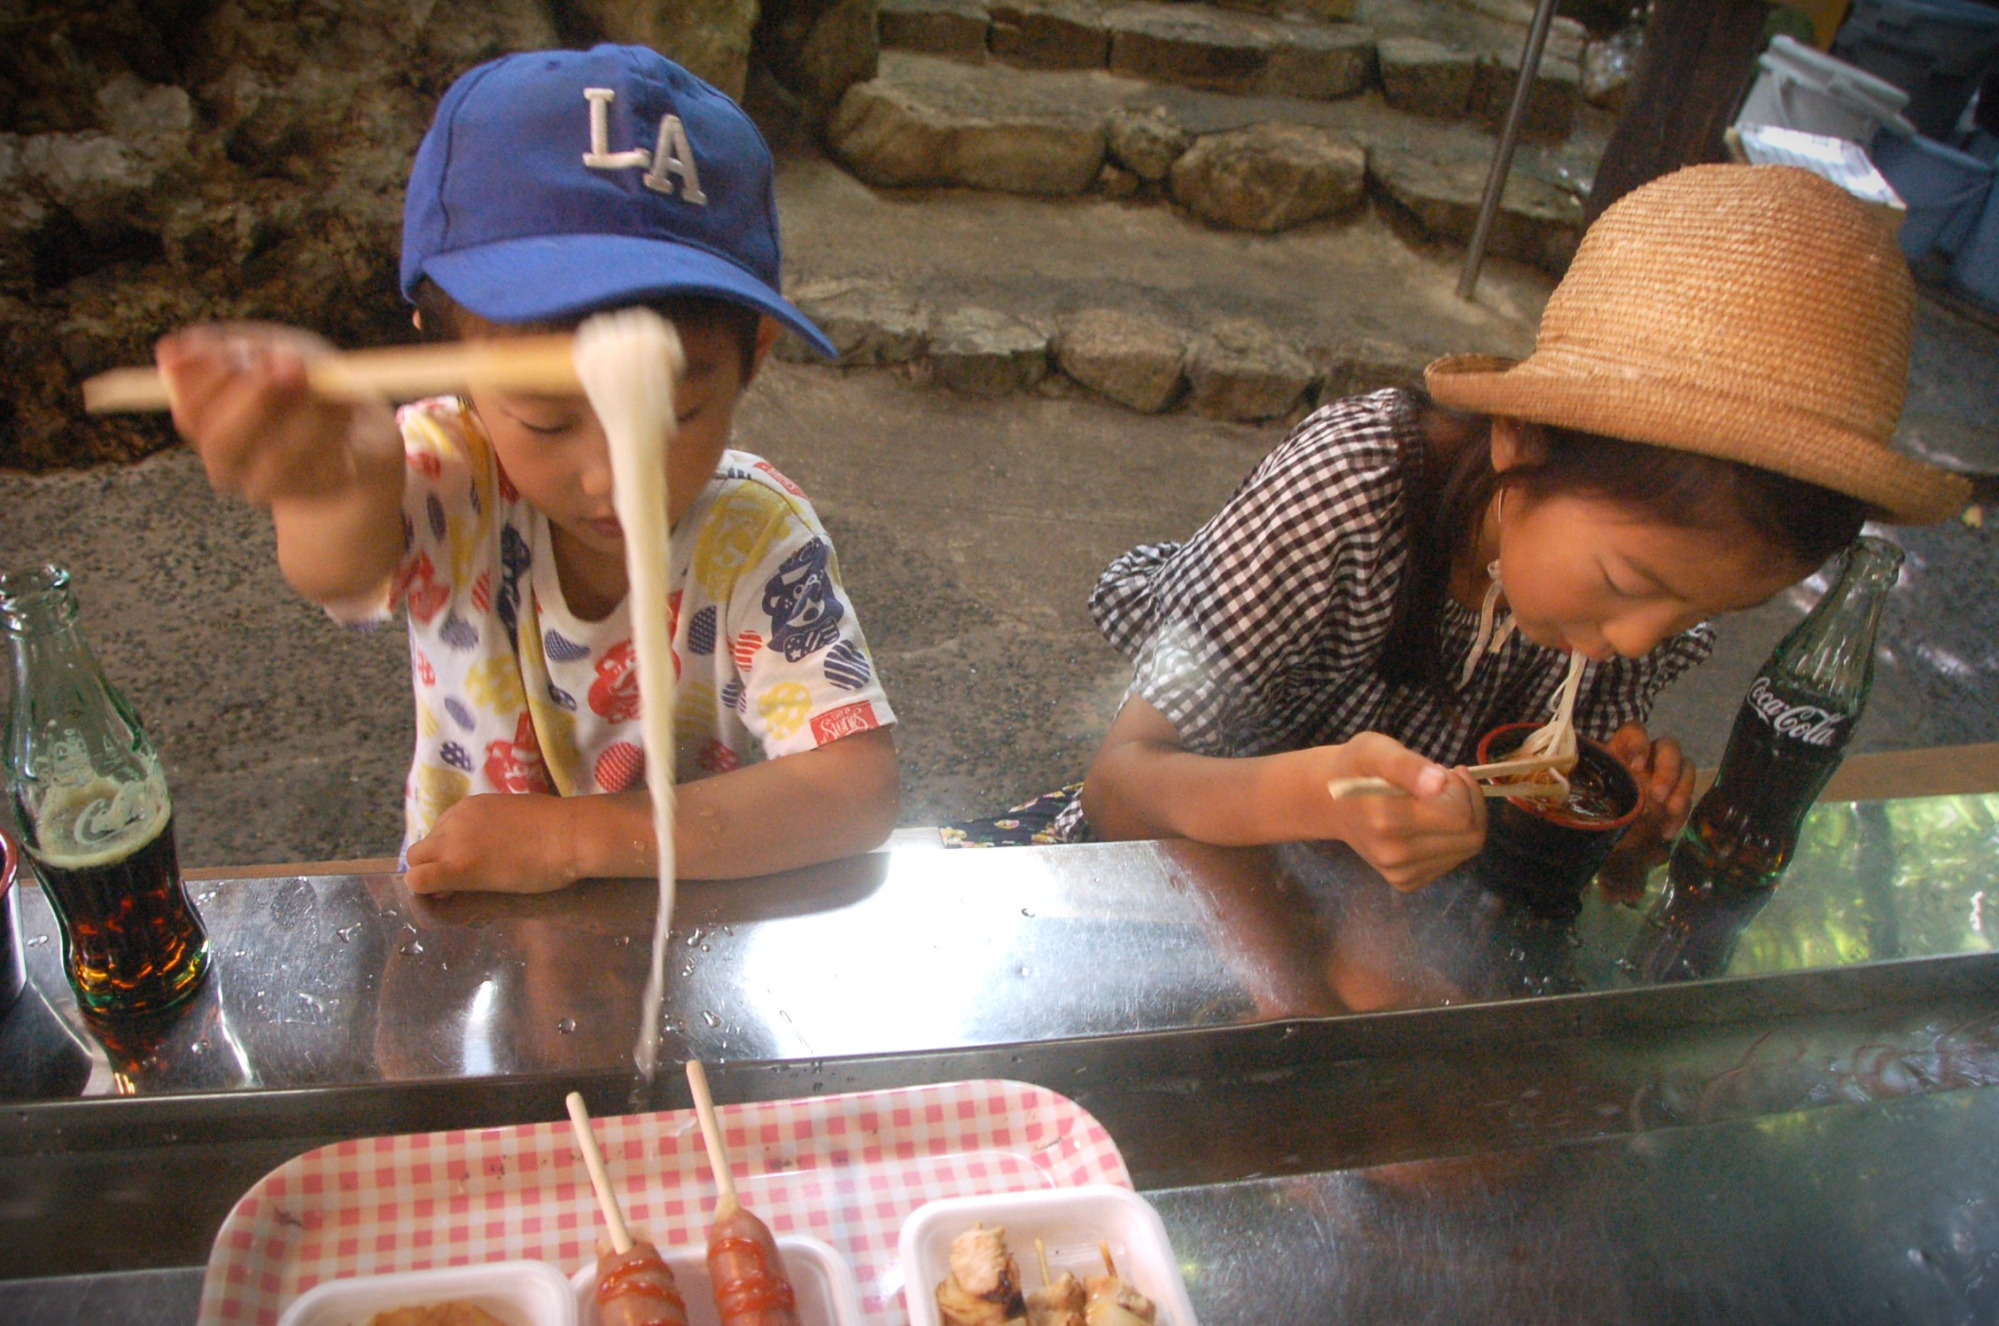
[845, 1169]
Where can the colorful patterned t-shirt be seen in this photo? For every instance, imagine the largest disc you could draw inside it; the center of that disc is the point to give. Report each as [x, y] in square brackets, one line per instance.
[514, 693]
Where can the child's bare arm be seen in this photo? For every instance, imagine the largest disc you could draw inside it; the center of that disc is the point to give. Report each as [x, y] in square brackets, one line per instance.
[836, 800]
[330, 473]
[1145, 784]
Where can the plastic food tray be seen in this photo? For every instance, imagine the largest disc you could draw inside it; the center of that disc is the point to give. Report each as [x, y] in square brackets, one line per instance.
[1069, 1222]
[845, 1170]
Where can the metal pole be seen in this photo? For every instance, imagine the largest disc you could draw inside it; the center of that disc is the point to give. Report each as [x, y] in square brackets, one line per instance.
[1509, 138]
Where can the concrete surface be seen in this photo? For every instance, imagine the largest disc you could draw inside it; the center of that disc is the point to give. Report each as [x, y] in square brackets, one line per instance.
[970, 531]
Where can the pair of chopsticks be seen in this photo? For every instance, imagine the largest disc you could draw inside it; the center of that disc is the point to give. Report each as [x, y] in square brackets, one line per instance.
[726, 1202]
[402, 372]
[1499, 779]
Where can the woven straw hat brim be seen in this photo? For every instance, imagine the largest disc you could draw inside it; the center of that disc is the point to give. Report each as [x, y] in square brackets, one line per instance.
[1568, 391]
[1760, 314]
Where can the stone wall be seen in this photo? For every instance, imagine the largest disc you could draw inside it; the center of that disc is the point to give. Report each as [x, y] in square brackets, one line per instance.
[171, 161]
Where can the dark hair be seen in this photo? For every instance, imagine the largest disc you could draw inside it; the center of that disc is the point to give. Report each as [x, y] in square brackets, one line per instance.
[1683, 489]
[443, 319]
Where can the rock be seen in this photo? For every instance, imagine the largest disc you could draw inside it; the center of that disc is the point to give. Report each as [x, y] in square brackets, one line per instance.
[1136, 361]
[818, 48]
[1240, 370]
[983, 353]
[1190, 46]
[955, 29]
[1114, 181]
[1317, 62]
[1424, 77]
[1355, 367]
[1147, 142]
[868, 323]
[1551, 106]
[1050, 34]
[135, 109]
[936, 122]
[710, 37]
[1325, 11]
[1269, 176]
[1536, 223]
[1198, 47]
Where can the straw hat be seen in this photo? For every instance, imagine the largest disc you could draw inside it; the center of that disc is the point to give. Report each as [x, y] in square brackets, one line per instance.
[1756, 313]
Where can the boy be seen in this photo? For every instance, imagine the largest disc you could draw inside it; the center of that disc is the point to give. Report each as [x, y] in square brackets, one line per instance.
[551, 185]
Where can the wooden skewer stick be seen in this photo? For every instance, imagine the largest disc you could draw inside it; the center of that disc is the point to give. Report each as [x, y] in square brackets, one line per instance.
[400, 372]
[1041, 1255]
[1110, 1267]
[586, 1141]
[726, 1204]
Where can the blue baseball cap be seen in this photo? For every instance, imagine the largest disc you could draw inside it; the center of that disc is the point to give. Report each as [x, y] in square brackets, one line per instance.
[553, 183]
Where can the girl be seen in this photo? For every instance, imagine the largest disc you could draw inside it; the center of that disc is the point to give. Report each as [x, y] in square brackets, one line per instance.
[1705, 419]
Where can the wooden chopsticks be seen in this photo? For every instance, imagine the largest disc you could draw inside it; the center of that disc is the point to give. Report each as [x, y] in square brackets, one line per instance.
[401, 372]
[1496, 780]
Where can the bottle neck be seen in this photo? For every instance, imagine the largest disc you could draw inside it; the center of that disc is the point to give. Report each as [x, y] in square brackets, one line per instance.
[36, 603]
[1832, 650]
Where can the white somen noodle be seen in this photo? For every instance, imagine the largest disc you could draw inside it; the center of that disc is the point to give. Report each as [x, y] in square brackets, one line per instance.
[629, 363]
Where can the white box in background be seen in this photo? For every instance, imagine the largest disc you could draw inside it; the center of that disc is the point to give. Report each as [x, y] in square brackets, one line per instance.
[518, 1293]
[1068, 1221]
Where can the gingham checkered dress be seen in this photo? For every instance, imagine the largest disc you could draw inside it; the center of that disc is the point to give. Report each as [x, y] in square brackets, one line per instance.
[1265, 631]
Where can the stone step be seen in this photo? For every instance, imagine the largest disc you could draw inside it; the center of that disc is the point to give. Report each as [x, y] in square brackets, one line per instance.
[1252, 163]
[1238, 369]
[1445, 61]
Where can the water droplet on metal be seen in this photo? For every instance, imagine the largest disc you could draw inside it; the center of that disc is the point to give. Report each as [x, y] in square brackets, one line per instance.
[347, 932]
[706, 949]
[38, 941]
[566, 1026]
[710, 1018]
[1026, 970]
[622, 941]
[208, 896]
[687, 968]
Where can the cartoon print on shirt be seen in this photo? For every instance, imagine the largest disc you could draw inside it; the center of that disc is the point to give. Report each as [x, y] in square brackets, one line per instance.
[783, 708]
[804, 606]
[516, 766]
[847, 666]
[422, 592]
[621, 767]
[614, 696]
[515, 558]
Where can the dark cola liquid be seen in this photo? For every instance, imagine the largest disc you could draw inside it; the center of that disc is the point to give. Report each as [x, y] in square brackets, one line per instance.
[134, 941]
[1784, 747]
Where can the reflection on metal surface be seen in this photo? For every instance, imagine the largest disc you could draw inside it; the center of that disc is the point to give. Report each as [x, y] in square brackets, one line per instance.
[1876, 1213]
[350, 979]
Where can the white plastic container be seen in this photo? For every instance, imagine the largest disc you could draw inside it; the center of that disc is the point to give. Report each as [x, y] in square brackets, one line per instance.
[820, 1278]
[518, 1293]
[1069, 1222]
[1800, 88]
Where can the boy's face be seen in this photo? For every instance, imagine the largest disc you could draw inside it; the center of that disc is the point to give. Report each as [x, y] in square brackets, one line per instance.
[554, 451]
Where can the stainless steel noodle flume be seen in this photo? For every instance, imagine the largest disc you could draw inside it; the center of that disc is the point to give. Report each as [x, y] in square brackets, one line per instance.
[1252, 1026]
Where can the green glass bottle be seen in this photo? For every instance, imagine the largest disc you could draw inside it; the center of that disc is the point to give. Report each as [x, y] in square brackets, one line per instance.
[91, 805]
[1790, 733]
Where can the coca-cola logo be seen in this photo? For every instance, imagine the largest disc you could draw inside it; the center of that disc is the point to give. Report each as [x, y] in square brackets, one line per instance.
[1809, 723]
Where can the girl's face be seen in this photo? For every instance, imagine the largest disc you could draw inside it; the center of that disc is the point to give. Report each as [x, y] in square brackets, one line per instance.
[1589, 574]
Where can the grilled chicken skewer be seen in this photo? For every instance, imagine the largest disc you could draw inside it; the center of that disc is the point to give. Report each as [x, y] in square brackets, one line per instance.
[983, 1288]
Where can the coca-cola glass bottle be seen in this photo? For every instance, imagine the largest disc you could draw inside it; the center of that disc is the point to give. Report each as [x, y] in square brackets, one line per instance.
[90, 802]
[1790, 734]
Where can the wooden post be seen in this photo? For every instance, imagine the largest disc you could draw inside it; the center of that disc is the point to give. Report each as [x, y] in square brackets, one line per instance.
[1698, 57]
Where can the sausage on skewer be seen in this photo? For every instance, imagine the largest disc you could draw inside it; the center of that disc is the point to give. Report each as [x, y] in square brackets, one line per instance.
[743, 1266]
[636, 1288]
[1113, 1300]
[983, 1288]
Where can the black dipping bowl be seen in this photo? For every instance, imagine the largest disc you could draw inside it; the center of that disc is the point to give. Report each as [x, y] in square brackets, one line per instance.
[1536, 852]
[13, 962]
